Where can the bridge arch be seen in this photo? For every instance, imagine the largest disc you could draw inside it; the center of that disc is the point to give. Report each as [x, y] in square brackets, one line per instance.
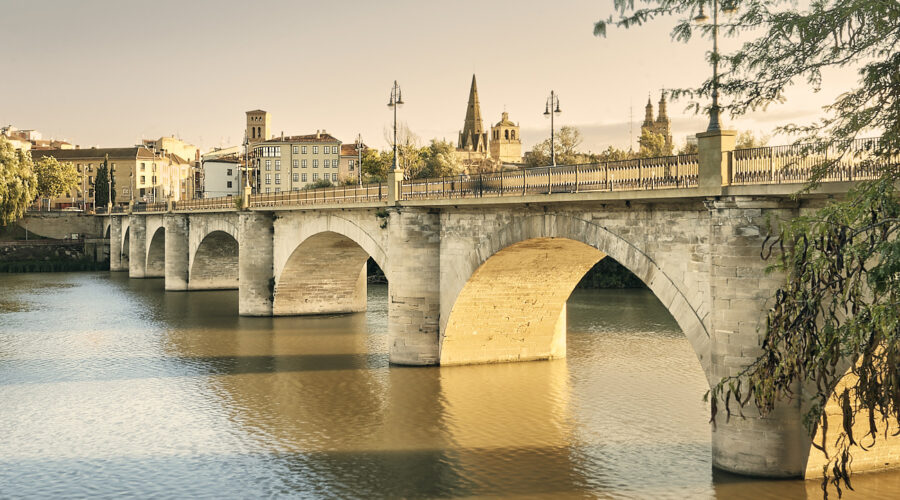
[214, 263]
[531, 267]
[156, 254]
[321, 269]
[125, 249]
[107, 225]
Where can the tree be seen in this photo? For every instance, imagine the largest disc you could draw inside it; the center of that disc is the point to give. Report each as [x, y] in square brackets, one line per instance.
[376, 164]
[567, 140]
[54, 178]
[838, 307]
[321, 183]
[652, 145]
[747, 140]
[439, 160]
[102, 185]
[18, 182]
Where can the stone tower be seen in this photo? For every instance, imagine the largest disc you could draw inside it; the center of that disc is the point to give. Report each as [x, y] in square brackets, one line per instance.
[662, 125]
[506, 144]
[257, 125]
[473, 137]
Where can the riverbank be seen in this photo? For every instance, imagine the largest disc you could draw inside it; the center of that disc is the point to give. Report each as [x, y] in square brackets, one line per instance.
[47, 255]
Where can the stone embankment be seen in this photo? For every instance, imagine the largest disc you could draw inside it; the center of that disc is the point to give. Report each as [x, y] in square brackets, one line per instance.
[46, 255]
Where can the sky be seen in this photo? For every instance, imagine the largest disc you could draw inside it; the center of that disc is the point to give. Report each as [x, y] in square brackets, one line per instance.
[110, 73]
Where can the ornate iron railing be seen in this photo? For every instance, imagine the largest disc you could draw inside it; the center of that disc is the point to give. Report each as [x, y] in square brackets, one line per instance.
[796, 163]
[220, 203]
[159, 206]
[666, 172]
[336, 194]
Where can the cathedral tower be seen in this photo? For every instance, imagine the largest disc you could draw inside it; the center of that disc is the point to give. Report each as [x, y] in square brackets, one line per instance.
[661, 125]
[506, 144]
[473, 138]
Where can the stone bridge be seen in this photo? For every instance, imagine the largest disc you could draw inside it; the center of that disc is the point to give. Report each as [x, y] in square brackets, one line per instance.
[482, 274]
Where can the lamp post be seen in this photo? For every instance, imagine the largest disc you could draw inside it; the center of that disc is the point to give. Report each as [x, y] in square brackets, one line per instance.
[359, 148]
[395, 102]
[550, 109]
[728, 8]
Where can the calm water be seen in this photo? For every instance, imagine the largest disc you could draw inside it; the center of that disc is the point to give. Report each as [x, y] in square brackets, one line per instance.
[112, 387]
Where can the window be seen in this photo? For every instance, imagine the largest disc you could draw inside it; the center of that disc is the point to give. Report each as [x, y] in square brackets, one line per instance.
[303, 163]
[91, 180]
[303, 176]
[154, 179]
[296, 150]
[327, 163]
[295, 163]
[277, 164]
[229, 184]
[350, 165]
[268, 178]
[296, 177]
[315, 176]
[277, 178]
[277, 150]
[304, 149]
[315, 150]
[79, 167]
[113, 169]
[295, 189]
[228, 173]
[90, 167]
[143, 179]
[268, 164]
[334, 177]
[278, 190]
[143, 167]
[315, 163]
[268, 190]
[143, 192]
[153, 167]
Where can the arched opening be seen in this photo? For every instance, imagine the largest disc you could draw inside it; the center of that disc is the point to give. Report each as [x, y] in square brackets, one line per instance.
[326, 274]
[126, 249]
[513, 307]
[106, 234]
[156, 255]
[215, 263]
[506, 134]
[512, 135]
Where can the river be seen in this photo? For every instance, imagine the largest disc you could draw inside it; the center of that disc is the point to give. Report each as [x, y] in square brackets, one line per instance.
[112, 387]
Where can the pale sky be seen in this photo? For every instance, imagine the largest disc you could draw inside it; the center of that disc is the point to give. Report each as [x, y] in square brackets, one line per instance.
[109, 73]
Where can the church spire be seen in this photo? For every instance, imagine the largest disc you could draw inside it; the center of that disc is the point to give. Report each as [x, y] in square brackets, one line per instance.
[648, 113]
[472, 135]
[663, 114]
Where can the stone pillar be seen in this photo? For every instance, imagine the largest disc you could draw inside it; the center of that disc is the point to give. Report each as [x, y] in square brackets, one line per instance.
[115, 244]
[778, 445]
[414, 286]
[137, 246]
[256, 279]
[394, 181]
[715, 165]
[177, 251]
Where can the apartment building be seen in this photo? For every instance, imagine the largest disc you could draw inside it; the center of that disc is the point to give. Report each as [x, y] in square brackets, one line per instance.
[288, 163]
[349, 165]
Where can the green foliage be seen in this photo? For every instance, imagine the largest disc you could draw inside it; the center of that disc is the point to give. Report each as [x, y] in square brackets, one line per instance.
[838, 307]
[18, 182]
[102, 185]
[55, 179]
[652, 145]
[438, 160]
[567, 140]
[376, 164]
[747, 139]
[321, 183]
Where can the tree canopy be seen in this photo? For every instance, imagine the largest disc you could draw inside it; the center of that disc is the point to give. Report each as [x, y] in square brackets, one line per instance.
[102, 185]
[18, 182]
[839, 307]
[55, 179]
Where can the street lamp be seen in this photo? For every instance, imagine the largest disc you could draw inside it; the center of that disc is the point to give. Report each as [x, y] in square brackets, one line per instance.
[728, 8]
[395, 102]
[550, 109]
[359, 148]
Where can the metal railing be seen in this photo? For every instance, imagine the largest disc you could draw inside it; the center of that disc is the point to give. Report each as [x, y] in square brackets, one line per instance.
[336, 194]
[668, 172]
[159, 206]
[796, 163]
[220, 203]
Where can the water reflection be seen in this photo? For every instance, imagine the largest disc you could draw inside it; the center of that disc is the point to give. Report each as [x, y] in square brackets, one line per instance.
[172, 394]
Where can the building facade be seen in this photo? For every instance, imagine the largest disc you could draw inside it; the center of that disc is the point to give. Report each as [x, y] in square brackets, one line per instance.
[349, 166]
[221, 177]
[289, 163]
[257, 126]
